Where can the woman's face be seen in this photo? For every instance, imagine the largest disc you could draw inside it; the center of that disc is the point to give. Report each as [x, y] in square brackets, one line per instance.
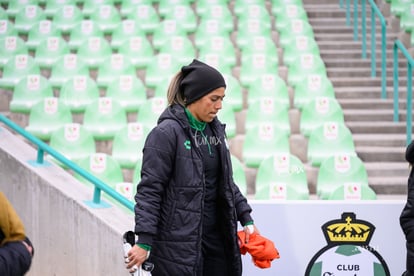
[206, 108]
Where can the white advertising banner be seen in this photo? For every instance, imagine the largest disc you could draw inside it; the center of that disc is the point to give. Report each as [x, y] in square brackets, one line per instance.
[331, 238]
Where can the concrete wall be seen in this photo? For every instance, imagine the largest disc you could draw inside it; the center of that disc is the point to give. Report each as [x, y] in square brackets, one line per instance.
[69, 237]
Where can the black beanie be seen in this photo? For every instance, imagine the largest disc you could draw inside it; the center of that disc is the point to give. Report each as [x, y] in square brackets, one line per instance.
[198, 80]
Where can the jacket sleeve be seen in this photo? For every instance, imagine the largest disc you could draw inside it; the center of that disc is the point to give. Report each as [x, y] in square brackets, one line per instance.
[157, 165]
[15, 259]
[407, 223]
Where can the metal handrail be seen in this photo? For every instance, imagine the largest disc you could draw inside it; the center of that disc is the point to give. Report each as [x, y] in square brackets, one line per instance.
[375, 11]
[410, 63]
[43, 147]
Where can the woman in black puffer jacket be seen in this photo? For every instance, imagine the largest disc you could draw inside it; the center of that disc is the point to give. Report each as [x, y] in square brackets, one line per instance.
[187, 204]
[407, 215]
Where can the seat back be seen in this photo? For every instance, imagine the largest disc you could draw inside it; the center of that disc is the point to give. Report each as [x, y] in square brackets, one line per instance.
[281, 176]
[329, 139]
[104, 118]
[262, 141]
[41, 31]
[29, 91]
[67, 67]
[266, 110]
[72, 141]
[239, 174]
[129, 91]
[50, 50]
[47, 116]
[114, 66]
[79, 35]
[16, 68]
[78, 92]
[67, 18]
[339, 170]
[150, 111]
[107, 17]
[318, 111]
[128, 144]
[27, 17]
[353, 191]
[11, 46]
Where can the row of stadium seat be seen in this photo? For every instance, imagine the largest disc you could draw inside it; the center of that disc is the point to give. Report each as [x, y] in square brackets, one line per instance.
[306, 75]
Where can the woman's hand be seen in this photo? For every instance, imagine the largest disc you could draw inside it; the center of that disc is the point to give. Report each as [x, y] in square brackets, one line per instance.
[136, 256]
[250, 229]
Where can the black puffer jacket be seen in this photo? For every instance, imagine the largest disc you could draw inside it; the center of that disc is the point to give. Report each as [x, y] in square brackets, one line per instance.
[168, 212]
[407, 215]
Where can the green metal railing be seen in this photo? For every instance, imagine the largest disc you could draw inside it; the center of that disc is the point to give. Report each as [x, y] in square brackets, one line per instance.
[99, 185]
[375, 12]
[410, 63]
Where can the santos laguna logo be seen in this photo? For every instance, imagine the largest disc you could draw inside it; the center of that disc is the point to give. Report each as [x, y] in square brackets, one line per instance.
[348, 251]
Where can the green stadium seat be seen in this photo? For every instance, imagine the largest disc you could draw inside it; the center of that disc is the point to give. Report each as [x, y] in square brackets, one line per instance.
[217, 10]
[266, 110]
[319, 111]
[104, 118]
[281, 176]
[161, 69]
[254, 67]
[67, 17]
[269, 86]
[114, 66]
[147, 17]
[287, 12]
[41, 31]
[128, 7]
[353, 191]
[407, 19]
[48, 116]
[50, 50]
[303, 66]
[51, 7]
[107, 17]
[260, 45]
[150, 111]
[165, 29]
[296, 27]
[338, 170]
[220, 45]
[66, 67]
[102, 166]
[72, 141]
[398, 7]
[227, 116]
[164, 7]
[262, 141]
[215, 60]
[300, 45]
[79, 35]
[127, 28]
[129, 91]
[329, 139]
[314, 85]
[16, 68]
[14, 7]
[94, 51]
[209, 28]
[29, 91]
[27, 17]
[239, 175]
[10, 47]
[181, 47]
[139, 51]
[184, 16]
[250, 8]
[89, 7]
[7, 28]
[128, 144]
[136, 175]
[250, 28]
[234, 93]
[78, 92]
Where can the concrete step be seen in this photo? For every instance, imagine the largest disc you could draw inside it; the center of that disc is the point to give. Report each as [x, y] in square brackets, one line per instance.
[396, 140]
[367, 82]
[368, 115]
[385, 154]
[376, 128]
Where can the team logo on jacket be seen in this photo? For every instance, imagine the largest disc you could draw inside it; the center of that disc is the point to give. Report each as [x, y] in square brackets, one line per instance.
[348, 252]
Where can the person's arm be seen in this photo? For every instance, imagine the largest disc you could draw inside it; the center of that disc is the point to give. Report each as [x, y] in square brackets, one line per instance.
[15, 258]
